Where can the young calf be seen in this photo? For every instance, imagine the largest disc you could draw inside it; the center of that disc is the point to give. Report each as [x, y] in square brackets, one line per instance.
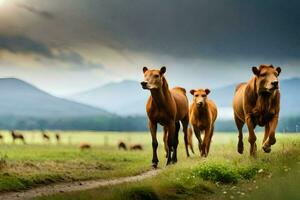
[136, 147]
[84, 146]
[122, 145]
[16, 136]
[203, 114]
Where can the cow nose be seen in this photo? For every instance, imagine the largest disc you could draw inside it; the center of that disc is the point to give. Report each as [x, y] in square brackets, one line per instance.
[144, 83]
[200, 103]
[275, 83]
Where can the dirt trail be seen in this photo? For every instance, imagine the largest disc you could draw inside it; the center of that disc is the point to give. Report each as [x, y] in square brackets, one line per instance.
[73, 186]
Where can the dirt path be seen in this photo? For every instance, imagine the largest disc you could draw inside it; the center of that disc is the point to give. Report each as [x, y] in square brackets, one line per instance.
[73, 186]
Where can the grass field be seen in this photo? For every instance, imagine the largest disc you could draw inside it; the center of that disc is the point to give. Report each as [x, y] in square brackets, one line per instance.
[223, 175]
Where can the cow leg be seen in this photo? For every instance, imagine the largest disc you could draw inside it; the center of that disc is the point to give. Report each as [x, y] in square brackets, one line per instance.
[166, 140]
[175, 142]
[239, 124]
[153, 130]
[198, 136]
[185, 123]
[252, 136]
[271, 140]
[170, 140]
[205, 142]
[266, 148]
[190, 139]
[209, 139]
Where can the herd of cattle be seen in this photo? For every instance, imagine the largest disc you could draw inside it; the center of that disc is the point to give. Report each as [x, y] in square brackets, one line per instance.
[256, 102]
[83, 146]
[19, 136]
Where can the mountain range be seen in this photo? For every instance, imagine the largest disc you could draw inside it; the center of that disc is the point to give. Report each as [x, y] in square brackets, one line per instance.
[21, 99]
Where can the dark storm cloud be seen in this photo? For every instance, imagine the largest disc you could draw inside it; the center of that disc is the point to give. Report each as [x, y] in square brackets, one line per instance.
[226, 29]
[41, 13]
[25, 45]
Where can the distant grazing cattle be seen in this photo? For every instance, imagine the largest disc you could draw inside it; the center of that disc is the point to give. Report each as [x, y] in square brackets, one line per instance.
[203, 114]
[122, 145]
[136, 147]
[16, 136]
[57, 136]
[45, 136]
[257, 102]
[166, 107]
[84, 146]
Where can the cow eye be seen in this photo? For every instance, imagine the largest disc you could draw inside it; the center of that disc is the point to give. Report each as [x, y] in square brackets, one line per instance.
[196, 95]
[156, 75]
[203, 95]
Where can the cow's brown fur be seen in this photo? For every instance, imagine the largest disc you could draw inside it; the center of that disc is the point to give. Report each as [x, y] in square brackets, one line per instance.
[203, 114]
[166, 107]
[136, 147]
[16, 136]
[83, 146]
[258, 103]
[122, 145]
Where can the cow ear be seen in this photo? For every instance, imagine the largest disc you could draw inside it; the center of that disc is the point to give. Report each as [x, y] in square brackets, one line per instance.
[207, 91]
[163, 70]
[255, 71]
[145, 69]
[278, 69]
[192, 92]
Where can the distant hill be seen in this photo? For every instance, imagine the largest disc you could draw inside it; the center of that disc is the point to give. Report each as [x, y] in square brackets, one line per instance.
[127, 98]
[21, 99]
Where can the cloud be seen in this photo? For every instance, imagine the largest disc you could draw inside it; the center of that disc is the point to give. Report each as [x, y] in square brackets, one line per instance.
[42, 13]
[25, 45]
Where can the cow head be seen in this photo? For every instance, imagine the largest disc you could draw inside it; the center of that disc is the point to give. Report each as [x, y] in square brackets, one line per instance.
[200, 96]
[266, 79]
[153, 78]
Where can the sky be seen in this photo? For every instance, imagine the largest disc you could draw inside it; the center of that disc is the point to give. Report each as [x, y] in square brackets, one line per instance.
[64, 47]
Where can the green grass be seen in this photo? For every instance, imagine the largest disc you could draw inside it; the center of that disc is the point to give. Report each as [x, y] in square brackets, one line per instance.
[39, 162]
[220, 176]
[223, 175]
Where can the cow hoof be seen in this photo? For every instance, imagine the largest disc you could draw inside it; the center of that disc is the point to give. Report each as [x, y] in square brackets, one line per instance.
[154, 165]
[267, 149]
[203, 155]
[240, 148]
[272, 141]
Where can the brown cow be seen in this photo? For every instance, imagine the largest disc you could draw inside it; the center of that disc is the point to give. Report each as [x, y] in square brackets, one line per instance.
[258, 103]
[83, 146]
[166, 107]
[57, 136]
[16, 135]
[45, 136]
[136, 147]
[1, 137]
[203, 114]
[122, 145]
